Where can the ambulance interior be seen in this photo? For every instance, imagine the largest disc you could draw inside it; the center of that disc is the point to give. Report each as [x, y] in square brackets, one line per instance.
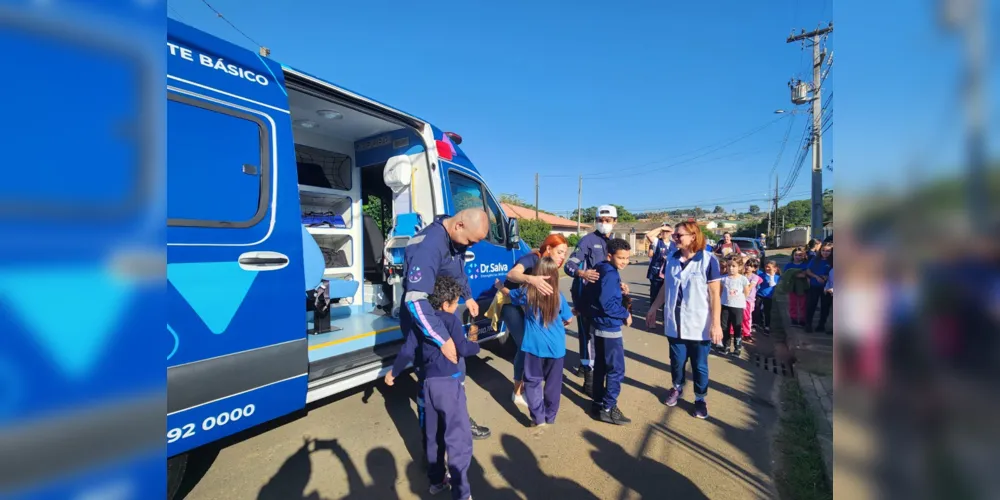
[349, 210]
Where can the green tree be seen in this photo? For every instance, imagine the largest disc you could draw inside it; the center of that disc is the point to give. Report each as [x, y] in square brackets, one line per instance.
[573, 240]
[827, 205]
[796, 213]
[707, 232]
[513, 199]
[718, 210]
[533, 232]
[624, 215]
[589, 214]
[698, 212]
[373, 207]
[754, 210]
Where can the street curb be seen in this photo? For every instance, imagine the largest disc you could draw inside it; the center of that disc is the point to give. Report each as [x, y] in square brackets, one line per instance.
[821, 406]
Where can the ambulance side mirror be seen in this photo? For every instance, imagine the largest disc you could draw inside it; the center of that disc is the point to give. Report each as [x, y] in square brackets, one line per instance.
[513, 233]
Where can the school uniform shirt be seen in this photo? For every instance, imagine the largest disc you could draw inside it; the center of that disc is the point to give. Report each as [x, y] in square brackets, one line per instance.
[604, 302]
[426, 356]
[819, 267]
[544, 341]
[529, 261]
[429, 254]
[689, 319]
[590, 251]
[732, 291]
[766, 288]
[670, 251]
[829, 281]
[656, 263]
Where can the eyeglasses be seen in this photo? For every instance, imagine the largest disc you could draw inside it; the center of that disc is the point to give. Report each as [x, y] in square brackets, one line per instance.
[678, 235]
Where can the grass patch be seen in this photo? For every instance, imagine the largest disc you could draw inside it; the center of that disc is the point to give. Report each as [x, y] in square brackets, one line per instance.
[801, 474]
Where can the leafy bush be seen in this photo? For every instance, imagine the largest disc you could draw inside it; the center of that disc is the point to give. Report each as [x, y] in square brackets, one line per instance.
[533, 232]
[573, 239]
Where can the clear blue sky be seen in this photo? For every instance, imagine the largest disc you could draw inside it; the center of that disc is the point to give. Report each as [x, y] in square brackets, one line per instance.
[590, 89]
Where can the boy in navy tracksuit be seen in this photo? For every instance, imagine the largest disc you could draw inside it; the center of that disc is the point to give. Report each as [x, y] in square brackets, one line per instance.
[590, 251]
[446, 416]
[608, 314]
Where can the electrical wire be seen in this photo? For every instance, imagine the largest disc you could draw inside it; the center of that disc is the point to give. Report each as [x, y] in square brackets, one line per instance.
[717, 147]
[230, 23]
[781, 150]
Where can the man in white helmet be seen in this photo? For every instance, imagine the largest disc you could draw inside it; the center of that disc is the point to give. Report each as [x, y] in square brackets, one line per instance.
[590, 251]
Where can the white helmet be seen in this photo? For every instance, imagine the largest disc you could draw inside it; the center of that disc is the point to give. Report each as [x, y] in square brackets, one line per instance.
[607, 211]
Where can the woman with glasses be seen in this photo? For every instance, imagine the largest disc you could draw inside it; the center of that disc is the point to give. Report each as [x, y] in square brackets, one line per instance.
[692, 311]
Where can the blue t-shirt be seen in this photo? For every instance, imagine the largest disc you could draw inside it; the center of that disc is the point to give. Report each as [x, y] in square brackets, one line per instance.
[544, 341]
[766, 287]
[792, 265]
[819, 267]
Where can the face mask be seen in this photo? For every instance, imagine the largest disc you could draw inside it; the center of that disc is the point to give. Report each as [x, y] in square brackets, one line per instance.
[604, 227]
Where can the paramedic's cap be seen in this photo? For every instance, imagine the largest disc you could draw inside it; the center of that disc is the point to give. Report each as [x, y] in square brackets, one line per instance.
[607, 211]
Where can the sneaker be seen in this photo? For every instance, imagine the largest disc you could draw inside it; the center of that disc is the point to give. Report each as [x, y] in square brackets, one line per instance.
[478, 431]
[672, 397]
[539, 426]
[519, 400]
[595, 410]
[588, 382]
[438, 488]
[737, 352]
[767, 331]
[701, 409]
[614, 416]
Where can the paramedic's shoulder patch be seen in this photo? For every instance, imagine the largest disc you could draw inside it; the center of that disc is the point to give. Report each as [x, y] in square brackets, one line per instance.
[599, 245]
[416, 240]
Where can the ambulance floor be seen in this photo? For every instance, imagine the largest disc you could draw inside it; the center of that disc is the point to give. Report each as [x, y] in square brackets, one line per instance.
[357, 330]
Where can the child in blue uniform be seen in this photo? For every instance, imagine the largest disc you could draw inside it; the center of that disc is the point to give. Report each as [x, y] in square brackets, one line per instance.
[446, 416]
[544, 342]
[608, 314]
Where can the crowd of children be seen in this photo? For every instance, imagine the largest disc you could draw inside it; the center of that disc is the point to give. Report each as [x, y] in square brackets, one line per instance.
[745, 284]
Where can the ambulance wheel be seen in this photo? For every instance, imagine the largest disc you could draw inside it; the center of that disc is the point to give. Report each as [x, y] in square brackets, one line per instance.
[176, 466]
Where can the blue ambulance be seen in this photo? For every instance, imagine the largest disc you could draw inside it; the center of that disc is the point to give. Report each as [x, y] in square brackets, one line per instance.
[290, 200]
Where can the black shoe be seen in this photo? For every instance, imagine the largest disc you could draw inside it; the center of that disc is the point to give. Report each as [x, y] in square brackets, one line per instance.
[614, 416]
[595, 410]
[588, 382]
[737, 352]
[478, 431]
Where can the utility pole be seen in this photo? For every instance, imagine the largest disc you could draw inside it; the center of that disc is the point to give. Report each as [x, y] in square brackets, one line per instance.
[774, 212]
[579, 205]
[536, 195]
[969, 18]
[817, 131]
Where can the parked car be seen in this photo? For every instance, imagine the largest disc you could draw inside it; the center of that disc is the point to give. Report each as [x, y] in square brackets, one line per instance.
[750, 247]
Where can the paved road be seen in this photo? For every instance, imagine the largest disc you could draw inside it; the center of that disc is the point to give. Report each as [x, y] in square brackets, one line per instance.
[368, 442]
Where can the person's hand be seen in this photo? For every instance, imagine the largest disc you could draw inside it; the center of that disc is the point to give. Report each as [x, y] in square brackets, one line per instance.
[449, 351]
[590, 275]
[824, 279]
[541, 284]
[716, 334]
[651, 317]
[566, 323]
[473, 307]
[628, 320]
[829, 291]
[625, 288]
[389, 379]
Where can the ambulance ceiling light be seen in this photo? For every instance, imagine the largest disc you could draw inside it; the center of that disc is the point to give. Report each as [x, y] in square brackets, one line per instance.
[306, 124]
[330, 114]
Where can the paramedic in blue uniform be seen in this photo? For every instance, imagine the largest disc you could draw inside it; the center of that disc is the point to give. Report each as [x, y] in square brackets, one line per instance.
[581, 266]
[692, 312]
[439, 249]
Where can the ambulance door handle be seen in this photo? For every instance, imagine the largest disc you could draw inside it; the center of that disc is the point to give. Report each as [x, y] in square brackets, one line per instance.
[263, 261]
